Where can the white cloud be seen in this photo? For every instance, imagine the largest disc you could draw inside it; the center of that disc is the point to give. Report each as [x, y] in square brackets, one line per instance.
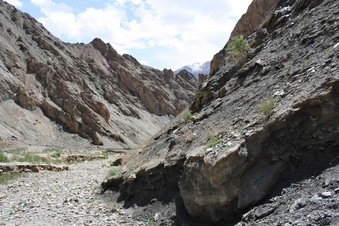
[16, 3]
[192, 30]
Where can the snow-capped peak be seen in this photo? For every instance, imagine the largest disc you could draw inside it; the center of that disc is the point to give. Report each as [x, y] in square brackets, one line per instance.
[196, 68]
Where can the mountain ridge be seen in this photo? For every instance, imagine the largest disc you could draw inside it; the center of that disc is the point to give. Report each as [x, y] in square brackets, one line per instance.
[87, 90]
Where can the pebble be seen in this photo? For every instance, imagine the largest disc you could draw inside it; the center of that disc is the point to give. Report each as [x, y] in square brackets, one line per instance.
[326, 194]
[316, 198]
[156, 217]
[209, 150]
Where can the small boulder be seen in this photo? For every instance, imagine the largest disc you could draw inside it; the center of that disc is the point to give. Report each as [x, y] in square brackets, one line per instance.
[326, 194]
[117, 162]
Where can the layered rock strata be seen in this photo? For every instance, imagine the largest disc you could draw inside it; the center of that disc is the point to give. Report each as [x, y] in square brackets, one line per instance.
[84, 89]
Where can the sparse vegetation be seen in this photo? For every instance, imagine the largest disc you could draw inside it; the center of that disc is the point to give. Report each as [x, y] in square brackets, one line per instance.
[278, 31]
[47, 150]
[47, 156]
[211, 139]
[150, 221]
[186, 116]
[210, 134]
[238, 47]
[33, 159]
[267, 106]
[56, 154]
[292, 58]
[16, 151]
[5, 177]
[113, 171]
[212, 142]
[3, 158]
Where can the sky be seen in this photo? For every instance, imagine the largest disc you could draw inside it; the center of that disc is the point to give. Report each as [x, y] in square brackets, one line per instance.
[158, 33]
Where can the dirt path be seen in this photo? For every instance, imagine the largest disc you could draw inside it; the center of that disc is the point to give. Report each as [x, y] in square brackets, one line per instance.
[61, 198]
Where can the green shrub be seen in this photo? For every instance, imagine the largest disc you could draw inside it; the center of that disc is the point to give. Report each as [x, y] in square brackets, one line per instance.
[113, 171]
[56, 154]
[3, 158]
[267, 106]
[238, 47]
[212, 142]
[211, 139]
[186, 116]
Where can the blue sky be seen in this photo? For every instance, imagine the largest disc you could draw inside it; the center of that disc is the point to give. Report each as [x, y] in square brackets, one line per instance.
[158, 33]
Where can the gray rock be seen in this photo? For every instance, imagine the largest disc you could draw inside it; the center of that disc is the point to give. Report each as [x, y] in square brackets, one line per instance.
[298, 204]
[156, 217]
[316, 198]
[326, 194]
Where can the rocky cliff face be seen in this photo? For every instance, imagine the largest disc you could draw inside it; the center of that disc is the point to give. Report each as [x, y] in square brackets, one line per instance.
[86, 89]
[258, 124]
[248, 23]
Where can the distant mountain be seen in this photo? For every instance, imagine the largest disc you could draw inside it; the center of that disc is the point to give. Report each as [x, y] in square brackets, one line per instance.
[196, 68]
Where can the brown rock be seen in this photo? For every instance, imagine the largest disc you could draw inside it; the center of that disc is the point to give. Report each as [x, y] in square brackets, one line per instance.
[257, 11]
[87, 89]
[117, 162]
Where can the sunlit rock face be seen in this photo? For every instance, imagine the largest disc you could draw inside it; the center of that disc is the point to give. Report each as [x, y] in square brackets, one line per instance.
[247, 24]
[84, 89]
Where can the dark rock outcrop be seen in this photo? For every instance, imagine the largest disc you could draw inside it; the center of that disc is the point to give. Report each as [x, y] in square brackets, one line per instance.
[87, 89]
[232, 154]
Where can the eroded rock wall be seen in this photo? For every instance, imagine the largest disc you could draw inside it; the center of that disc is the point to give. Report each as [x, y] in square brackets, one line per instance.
[88, 89]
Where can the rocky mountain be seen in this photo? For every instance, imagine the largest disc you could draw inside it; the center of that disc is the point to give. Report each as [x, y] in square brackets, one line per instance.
[196, 68]
[188, 76]
[57, 93]
[256, 12]
[260, 131]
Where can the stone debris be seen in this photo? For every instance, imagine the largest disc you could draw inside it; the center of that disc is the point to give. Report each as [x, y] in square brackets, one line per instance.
[65, 198]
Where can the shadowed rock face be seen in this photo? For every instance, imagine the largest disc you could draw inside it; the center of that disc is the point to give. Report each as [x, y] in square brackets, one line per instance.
[252, 152]
[88, 89]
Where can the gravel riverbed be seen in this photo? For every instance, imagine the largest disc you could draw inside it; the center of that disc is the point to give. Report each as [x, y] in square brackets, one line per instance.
[62, 198]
